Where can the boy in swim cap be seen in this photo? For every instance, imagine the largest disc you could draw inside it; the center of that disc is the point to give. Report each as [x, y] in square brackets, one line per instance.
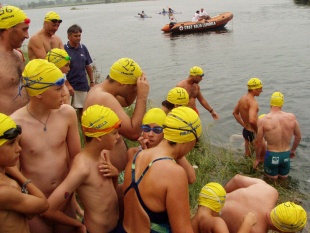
[152, 135]
[61, 59]
[163, 204]
[19, 197]
[96, 191]
[177, 96]
[125, 84]
[210, 203]
[245, 194]
[278, 128]
[245, 113]
[14, 25]
[45, 39]
[191, 85]
[50, 138]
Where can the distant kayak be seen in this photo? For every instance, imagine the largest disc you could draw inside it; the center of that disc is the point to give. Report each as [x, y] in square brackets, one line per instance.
[218, 21]
[142, 16]
[166, 12]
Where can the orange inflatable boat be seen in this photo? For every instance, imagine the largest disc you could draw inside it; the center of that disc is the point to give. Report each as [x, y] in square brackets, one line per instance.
[215, 22]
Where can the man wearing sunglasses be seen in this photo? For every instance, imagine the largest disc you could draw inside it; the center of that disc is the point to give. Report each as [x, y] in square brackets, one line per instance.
[191, 85]
[14, 25]
[19, 197]
[50, 138]
[45, 39]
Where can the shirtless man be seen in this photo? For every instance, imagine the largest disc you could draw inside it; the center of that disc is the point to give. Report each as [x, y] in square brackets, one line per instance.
[191, 85]
[45, 39]
[14, 26]
[96, 191]
[242, 197]
[277, 128]
[125, 84]
[50, 136]
[246, 111]
[15, 205]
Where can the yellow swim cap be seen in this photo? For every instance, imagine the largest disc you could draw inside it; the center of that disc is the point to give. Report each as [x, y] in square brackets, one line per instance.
[196, 70]
[6, 123]
[58, 56]
[125, 71]
[154, 116]
[11, 16]
[289, 217]
[51, 15]
[254, 83]
[99, 120]
[277, 99]
[182, 125]
[213, 196]
[178, 95]
[39, 75]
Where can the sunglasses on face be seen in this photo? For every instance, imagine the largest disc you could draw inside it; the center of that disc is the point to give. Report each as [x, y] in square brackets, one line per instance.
[56, 20]
[156, 129]
[12, 133]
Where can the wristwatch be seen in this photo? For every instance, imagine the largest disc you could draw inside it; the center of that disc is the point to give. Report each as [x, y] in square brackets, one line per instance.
[24, 188]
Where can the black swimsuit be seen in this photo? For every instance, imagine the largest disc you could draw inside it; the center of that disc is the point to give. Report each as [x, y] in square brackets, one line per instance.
[160, 220]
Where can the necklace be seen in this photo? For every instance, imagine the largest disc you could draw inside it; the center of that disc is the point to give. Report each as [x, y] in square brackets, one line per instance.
[44, 128]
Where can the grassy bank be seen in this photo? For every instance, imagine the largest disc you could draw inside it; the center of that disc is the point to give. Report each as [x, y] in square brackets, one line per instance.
[215, 164]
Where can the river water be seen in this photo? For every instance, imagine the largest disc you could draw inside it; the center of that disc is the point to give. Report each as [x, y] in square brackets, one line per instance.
[265, 39]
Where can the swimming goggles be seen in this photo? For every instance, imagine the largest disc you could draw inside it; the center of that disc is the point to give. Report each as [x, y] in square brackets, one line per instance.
[67, 58]
[56, 20]
[29, 83]
[12, 133]
[156, 129]
[117, 125]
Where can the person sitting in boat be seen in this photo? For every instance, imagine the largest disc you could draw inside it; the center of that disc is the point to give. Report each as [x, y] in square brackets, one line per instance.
[203, 15]
[164, 11]
[142, 14]
[196, 17]
[171, 16]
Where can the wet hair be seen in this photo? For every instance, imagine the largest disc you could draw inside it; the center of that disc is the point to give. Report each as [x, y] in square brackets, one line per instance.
[168, 105]
[74, 29]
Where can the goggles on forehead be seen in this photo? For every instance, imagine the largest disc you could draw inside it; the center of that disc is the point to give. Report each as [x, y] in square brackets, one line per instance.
[117, 125]
[12, 133]
[52, 53]
[156, 129]
[192, 130]
[29, 83]
[55, 20]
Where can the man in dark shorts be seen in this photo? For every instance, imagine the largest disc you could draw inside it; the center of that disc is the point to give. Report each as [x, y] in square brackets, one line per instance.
[246, 111]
